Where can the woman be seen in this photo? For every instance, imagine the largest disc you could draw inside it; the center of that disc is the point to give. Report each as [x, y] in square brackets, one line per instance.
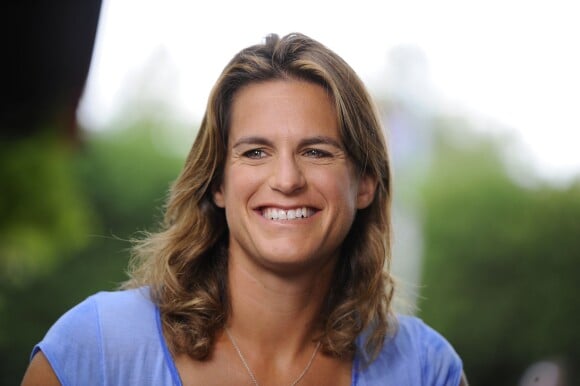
[272, 264]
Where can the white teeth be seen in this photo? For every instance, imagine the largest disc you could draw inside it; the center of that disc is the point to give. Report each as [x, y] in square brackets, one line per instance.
[291, 214]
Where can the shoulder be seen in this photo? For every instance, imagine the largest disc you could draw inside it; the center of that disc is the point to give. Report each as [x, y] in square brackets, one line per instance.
[101, 332]
[439, 362]
[416, 354]
[75, 334]
[123, 310]
[102, 314]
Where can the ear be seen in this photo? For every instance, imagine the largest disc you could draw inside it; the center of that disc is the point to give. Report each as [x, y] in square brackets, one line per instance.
[218, 197]
[367, 187]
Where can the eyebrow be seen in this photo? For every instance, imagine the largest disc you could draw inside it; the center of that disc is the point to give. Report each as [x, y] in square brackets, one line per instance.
[316, 140]
[252, 140]
[321, 139]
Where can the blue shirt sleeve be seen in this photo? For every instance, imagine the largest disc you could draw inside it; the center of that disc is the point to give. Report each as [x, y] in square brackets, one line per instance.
[111, 338]
[440, 364]
[416, 355]
[72, 345]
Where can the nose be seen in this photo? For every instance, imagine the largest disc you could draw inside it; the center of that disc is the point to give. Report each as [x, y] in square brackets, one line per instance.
[286, 175]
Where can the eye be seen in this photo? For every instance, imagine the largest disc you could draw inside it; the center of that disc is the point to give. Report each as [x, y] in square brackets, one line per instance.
[316, 153]
[254, 154]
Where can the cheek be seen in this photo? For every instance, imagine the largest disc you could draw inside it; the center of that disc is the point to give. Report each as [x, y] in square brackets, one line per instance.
[240, 182]
[339, 186]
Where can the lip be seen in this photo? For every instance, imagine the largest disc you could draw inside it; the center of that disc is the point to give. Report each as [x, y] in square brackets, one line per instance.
[286, 206]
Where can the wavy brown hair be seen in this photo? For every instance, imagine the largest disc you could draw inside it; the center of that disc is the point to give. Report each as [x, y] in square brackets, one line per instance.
[185, 262]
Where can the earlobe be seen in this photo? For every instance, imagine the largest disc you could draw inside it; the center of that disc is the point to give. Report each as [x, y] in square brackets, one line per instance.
[218, 198]
[366, 191]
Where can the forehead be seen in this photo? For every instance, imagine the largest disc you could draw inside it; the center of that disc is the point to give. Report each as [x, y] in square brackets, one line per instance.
[283, 107]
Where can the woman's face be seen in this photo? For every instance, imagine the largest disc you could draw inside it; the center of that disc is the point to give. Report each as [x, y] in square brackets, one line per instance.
[289, 190]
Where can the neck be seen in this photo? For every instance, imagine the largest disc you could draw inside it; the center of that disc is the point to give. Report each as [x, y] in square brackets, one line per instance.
[276, 313]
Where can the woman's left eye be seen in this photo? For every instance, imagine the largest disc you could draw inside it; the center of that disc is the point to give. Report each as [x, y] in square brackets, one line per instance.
[316, 153]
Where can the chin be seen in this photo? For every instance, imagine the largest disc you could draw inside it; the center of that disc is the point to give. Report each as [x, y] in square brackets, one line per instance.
[292, 263]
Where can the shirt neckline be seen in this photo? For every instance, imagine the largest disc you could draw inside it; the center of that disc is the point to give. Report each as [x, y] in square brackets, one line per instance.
[175, 374]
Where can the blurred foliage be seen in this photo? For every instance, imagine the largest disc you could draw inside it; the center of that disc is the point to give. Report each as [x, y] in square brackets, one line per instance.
[66, 219]
[500, 277]
[500, 266]
[43, 212]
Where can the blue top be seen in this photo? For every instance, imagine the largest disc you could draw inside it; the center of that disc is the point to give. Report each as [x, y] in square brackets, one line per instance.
[115, 338]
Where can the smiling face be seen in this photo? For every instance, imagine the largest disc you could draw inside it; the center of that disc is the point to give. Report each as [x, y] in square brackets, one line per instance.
[289, 189]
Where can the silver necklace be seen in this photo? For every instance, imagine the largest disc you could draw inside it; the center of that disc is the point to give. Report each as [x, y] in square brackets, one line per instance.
[251, 373]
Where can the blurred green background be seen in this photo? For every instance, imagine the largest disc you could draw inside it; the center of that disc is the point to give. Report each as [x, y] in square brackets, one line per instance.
[500, 263]
[500, 248]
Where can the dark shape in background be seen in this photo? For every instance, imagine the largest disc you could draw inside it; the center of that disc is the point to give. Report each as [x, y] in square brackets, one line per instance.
[47, 51]
[69, 199]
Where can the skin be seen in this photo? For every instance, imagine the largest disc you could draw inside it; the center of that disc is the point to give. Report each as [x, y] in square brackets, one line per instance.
[39, 373]
[284, 152]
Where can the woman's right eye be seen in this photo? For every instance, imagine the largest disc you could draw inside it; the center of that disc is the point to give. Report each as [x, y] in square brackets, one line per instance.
[254, 154]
